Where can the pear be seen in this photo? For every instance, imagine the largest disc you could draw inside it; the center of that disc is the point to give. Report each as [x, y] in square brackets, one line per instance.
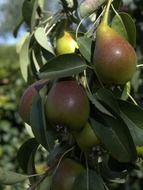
[86, 138]
[67, 105]
[114, 58]
[65, 44]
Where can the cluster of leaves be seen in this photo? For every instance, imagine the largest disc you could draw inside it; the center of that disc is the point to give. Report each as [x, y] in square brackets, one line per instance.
[116, 121]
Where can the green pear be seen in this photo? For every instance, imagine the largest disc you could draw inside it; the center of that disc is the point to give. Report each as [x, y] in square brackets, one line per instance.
[87, 138]
[65, 44]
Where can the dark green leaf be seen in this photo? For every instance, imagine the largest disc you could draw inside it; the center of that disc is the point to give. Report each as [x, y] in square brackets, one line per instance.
[26, 156]
[37, 51]
[84, 44]
[114, 134]
[133, 117]
[39, 126]
[97, 104]
[9, 178]
[63, 66]
[29, 12]
[110, 174]
[90, 180]
[117, 4]
[16, 29]
[106, 97]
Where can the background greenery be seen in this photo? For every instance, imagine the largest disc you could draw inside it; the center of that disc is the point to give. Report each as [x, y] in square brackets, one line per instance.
[12, 130]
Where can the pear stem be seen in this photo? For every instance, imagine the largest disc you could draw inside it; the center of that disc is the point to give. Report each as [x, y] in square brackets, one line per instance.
[106, 14]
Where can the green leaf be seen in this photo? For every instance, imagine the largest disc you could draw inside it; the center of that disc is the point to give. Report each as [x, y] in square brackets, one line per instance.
[133, 117]
[112, 175]
[45, 184]
[90, 180]
[40, 128]
[126, 91]
[26, 156]
[29, 12]
[16, 29]
[117, 4]
[63, 66]
[118, 25]
[130, 26]
[135, 80]
[107, 97]
[85, 44]
[97, 104]
[34, 63]
[10, 178]
[24, 57]
[37, 51]
[42, 40]
[125, 26]
[114, 134]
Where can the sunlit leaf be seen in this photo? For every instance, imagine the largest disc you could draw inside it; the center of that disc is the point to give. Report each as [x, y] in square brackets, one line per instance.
[42, 39]
[24, 57]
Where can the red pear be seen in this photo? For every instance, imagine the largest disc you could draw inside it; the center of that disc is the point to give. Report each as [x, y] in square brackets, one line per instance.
[67, 105]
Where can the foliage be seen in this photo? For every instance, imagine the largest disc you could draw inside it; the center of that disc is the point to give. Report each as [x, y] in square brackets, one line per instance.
[12, 129]
[115, 117]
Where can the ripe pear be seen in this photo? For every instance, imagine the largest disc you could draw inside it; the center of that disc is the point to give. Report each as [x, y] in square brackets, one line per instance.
[27, 98]
[67, 105]
[114, 58]
[65, 44]
[66, 174]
